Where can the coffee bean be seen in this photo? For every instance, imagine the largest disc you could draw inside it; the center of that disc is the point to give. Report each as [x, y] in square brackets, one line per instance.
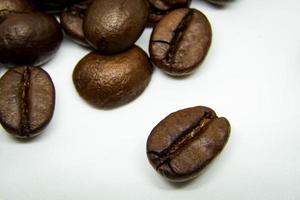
[27, 98]
[29, 38]
[180, 41]
[71, 20]
[114, 26]
[15, 6]
[186, 141]
[159, 8]
[108, 81]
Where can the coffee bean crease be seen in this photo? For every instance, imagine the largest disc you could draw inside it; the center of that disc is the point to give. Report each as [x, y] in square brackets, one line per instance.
[178, 33]
[188, 135]
[24, 88]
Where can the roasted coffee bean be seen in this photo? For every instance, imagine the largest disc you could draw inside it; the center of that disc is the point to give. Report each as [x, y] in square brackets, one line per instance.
[15, 6]
[159, 8]
[180, 41]
[113, 26]
[186, 141]
[71, 20]
[108, 81]
[29, 38]
[27, 98]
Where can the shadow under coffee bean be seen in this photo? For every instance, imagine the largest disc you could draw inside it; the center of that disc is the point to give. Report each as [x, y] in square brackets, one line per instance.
[186, 141]
[27, 99]
[219, 2]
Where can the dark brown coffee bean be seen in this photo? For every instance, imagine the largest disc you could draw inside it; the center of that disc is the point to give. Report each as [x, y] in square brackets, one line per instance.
[108, 81]
[27, 98]
[15, 6]
[159, 8]
[113, 26]
[71, 20]
[186, 141]
[180, 41]
[29, 38]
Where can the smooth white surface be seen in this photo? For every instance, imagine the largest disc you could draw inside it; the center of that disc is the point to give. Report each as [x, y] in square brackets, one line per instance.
[251, 76]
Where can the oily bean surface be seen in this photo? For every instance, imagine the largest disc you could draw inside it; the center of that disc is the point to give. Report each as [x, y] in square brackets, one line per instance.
[159, 8]
[29, 38]
[27, 98]
[183, 143]
[114, 26]
[108, 81]
[180, 41]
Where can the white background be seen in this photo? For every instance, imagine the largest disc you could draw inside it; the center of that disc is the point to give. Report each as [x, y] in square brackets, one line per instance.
[251, 76]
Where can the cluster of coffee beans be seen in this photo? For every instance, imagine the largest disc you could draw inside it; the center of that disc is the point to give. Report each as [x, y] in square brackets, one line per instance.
[114, 73]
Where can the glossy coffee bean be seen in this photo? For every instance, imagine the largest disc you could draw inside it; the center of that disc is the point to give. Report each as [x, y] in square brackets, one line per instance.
[113, 26]
[16, 6]
[180, 41]
[159, 8]
[186, 141]
[108, 81]
[27, 98]
[71, 20]
[29, 38]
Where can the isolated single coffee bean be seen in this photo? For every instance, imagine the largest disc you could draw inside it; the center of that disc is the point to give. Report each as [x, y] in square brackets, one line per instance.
[113, 26]
[159, 8]
[29, 38]
[108, 81]
[15, 6]
[186, 141]
[180, 41]
[71, 20]
[27, 98]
